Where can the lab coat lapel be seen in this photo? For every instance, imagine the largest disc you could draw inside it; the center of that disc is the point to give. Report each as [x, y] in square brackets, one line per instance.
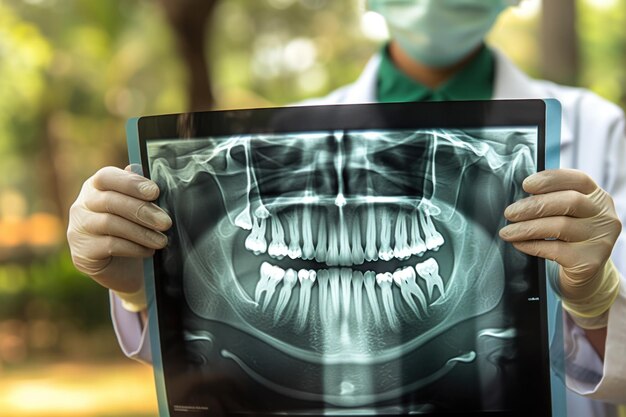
[364, 88]
[511, 83]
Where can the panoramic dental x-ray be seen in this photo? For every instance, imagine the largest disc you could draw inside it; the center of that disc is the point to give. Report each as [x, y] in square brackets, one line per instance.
[347, 272]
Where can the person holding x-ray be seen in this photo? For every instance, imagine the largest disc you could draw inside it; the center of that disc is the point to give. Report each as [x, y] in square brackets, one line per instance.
[437, 51]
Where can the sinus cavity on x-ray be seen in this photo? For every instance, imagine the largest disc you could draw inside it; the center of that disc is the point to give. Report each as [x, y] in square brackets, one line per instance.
[347, 272]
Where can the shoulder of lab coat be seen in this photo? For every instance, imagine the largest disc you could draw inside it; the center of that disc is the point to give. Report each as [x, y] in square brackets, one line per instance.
[593, 140]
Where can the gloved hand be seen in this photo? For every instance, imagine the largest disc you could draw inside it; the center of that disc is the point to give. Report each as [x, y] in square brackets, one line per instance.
[580, 219]
[112, 226]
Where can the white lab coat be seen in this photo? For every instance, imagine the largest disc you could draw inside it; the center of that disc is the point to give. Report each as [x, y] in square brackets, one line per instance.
[594, 141]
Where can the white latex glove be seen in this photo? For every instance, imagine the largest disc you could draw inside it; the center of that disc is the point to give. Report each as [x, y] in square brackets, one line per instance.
[579, 217]
[112, 226]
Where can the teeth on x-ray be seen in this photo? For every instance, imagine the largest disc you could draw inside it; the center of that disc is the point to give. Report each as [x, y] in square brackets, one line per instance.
[405, 279]
[271, 276]
[357, 290]
[332, 255]
[385, 252]
[384, 282]
[255, 242]
[261, 286]
[294, 250]
[320, 249]
[371, 254]
[333, 279]
[429, 271]
[346, 278]
[339, 242]
[308, 250]
[307, 279]
[358, 255]
[291, 277]
[417, 245]
[322, 295]
[340, 288]
[277, 248]
[345, 254]
[401, 250]
[432, 237]
[370, 279]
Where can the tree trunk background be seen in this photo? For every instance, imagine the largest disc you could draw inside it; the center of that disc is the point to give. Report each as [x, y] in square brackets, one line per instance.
[559, 41]
[189, 20]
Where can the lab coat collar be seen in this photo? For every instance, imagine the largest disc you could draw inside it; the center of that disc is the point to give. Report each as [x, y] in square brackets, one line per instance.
[509, 83]
[364, 88]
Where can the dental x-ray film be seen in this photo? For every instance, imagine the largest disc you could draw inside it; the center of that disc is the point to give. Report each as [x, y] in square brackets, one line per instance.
[345, 260]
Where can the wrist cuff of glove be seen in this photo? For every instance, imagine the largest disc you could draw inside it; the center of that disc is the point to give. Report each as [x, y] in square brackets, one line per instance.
[592, 311]
[133, 302]
[590, 323]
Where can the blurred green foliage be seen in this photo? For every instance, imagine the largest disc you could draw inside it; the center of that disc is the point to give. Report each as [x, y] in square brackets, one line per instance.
[602, 32]
[49, 288]
[72, 72]
[286, 50]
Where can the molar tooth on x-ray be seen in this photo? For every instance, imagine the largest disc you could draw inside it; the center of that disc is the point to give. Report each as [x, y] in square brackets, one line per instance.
[340, 248]
[429, 270]
[405, 280]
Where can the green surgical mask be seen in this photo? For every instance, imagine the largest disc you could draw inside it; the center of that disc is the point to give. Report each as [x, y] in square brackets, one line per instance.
[439, 33]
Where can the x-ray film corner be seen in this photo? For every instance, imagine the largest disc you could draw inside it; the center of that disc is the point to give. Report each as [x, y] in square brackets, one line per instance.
[346, 262]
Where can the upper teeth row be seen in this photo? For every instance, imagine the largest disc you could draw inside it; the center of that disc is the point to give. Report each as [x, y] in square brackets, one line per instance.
[337, 287]
[337, 245]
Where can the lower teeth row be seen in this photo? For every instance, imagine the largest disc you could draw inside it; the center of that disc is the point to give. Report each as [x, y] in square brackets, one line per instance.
[338, 288]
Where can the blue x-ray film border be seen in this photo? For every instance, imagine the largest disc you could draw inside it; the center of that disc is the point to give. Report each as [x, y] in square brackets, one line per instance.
[134, 157]
[555, 313]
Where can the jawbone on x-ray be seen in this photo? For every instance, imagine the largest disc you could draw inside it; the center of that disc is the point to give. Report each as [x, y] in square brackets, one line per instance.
[347, 260]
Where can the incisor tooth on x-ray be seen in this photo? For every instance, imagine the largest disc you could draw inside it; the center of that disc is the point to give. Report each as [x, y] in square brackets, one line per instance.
[358, 255]
[322, 293]
[357, 290]
[371, 254]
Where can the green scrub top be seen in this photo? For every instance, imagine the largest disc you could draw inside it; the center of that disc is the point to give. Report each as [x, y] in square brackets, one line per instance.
[474, 82]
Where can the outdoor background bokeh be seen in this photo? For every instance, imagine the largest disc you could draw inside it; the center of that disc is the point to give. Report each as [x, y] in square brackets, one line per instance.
[72, 72]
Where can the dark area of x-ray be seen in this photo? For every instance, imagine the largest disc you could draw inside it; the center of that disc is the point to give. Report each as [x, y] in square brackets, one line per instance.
[348, 273]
